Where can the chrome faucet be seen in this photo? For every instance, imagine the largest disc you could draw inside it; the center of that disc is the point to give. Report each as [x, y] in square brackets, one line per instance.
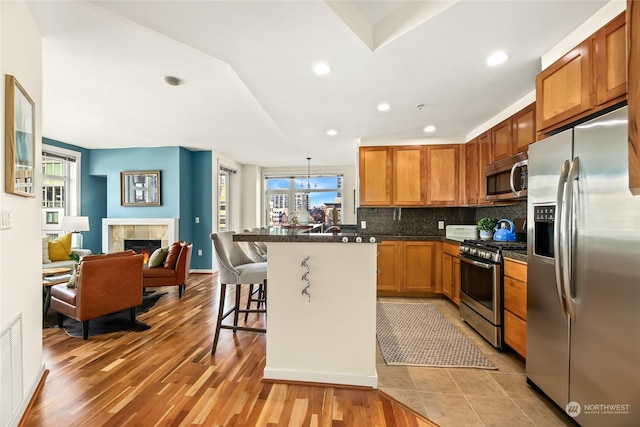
[332, 229]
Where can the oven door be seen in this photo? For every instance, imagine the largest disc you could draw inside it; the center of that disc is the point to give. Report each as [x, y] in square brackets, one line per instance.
[480, 287]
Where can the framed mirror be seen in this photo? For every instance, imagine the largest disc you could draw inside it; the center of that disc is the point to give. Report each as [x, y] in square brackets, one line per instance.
[20, 129]
[140, 188]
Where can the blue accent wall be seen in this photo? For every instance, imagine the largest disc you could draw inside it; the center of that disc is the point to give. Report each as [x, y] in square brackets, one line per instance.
[111, 162]
[202, 205]
[186, 191]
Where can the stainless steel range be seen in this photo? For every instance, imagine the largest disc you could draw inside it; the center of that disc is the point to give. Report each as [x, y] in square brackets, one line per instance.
[481, 283]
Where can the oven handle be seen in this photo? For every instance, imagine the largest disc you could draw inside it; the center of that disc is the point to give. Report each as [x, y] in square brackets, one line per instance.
[477, 263]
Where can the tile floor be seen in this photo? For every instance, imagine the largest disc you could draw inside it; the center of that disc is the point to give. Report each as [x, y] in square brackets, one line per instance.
[466, 396]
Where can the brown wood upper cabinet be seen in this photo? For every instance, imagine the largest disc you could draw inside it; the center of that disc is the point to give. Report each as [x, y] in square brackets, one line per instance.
[472, 174]
[589, 78]
[375, 176]
[501, 139]
[443, 174]
[412, 175]
[524, 129]
[408, 177]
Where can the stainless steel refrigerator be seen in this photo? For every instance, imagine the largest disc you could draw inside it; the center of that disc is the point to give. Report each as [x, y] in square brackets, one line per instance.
[583, 290]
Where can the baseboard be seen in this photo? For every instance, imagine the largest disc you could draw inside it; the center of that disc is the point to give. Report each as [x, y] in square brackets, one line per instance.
[370, 381]
[30, 398]
[200, 271]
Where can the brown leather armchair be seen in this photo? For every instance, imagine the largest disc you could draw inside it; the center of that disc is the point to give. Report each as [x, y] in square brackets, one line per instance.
[171, 274]
[105, 284]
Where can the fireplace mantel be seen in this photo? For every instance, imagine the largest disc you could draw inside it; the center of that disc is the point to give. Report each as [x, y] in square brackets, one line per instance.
[108, 225]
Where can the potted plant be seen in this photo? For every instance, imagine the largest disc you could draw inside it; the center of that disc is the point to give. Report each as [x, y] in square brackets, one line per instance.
[486, 226]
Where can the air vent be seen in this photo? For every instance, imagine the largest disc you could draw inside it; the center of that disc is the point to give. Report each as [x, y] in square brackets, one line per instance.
[10, 371]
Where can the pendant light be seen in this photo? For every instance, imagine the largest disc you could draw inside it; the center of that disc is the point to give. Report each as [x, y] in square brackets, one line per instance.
[308, 172]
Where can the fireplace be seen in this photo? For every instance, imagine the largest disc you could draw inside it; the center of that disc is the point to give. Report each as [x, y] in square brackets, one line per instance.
[144, 247]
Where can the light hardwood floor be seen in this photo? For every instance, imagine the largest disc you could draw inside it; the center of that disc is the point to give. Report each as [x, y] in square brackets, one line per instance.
[166, 376]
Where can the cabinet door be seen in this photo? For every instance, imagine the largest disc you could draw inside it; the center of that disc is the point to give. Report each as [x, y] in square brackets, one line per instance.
[524, 129]
[485, 157]
[501, 140]
[564, 89]
[456, 281]
[375, 176]
[611, 61]
[471, 150]
[633, 67]
[447, 275]
[515, 297]
[389, 266]
[418, 266]
[443, 173]
[515, 333]
[408, 176]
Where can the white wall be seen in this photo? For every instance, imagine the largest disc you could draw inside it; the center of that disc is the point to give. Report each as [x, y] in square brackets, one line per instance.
[20, 246]
[251, 197]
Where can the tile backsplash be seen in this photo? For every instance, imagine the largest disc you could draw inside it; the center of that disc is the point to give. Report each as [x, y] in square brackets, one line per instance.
[424, 221]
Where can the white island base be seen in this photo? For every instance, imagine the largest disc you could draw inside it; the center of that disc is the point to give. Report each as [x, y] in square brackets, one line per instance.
[332, 337]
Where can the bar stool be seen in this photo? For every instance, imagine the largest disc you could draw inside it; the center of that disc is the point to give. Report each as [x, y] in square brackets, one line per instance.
[235, 267]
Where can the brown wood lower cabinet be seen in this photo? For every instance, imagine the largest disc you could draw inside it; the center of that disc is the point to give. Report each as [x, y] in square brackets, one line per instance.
[515, 306]
[451, 272]
[409, 268]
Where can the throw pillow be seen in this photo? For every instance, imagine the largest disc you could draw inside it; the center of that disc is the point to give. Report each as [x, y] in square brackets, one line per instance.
[74, 277]
[60, 248]
[45, 250]
[172, 256]
[158, 257]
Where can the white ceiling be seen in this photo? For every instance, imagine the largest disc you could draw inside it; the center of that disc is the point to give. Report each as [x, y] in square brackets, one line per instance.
[249, 92]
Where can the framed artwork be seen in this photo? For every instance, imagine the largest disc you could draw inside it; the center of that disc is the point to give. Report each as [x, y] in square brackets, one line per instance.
[140, 188]
[20, 129]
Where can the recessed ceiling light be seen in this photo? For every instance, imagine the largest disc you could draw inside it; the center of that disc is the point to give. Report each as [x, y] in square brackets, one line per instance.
[384, 106]
[172, 80]
[429, 129]
[321, 69]
[497, 59]
[332, 132]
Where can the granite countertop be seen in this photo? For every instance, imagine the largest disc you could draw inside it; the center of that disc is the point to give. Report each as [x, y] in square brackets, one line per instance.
[305, 235]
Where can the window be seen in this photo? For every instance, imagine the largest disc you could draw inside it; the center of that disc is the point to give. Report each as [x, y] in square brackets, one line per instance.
[319, 195]
[60, 187]
[224, 199]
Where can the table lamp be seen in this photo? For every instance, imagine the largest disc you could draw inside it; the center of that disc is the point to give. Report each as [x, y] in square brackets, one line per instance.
[75, 225]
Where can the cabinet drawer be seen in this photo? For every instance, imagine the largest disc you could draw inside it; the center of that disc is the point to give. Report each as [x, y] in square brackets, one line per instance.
[516, 270]
[515, 333]
[451, 249]
[515, 297]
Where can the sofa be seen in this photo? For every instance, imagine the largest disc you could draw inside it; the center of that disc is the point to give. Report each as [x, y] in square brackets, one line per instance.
[105, 284]
[65, 243]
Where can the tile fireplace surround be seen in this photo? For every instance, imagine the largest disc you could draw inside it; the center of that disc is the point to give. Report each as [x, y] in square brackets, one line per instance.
[116, 230]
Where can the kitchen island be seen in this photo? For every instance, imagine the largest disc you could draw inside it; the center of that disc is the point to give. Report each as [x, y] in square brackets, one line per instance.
[321, 320]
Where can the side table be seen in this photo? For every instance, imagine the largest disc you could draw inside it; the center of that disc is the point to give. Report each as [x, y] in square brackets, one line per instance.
[50, 277]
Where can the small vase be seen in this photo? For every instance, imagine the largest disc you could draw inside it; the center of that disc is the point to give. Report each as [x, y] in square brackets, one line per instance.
[486, 235]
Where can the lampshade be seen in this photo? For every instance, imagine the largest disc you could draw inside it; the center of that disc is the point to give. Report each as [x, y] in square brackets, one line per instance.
[75, 224]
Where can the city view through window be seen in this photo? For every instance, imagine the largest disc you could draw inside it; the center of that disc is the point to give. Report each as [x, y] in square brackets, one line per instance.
[319, 196]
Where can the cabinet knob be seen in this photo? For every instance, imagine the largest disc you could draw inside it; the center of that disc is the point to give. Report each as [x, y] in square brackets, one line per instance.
[377, 271]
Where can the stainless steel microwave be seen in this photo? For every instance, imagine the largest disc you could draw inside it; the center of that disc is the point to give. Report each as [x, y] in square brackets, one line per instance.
[506, 179]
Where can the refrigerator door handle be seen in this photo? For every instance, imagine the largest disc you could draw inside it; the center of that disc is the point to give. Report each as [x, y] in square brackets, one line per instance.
[558, 235]
[512, 176]
[569, 237]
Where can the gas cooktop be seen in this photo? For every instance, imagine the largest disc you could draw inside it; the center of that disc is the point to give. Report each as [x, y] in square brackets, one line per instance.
[489, 249]
[497, 244]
